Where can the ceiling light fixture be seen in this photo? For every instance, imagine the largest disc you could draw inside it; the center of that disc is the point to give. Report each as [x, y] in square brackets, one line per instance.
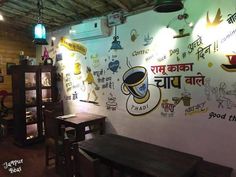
[168, 5]
[39, 29]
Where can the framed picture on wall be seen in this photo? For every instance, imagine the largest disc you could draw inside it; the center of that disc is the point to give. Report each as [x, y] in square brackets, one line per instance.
[9, 65]
[1, 79]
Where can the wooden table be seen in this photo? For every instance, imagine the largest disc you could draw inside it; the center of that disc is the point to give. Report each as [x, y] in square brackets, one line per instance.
[82, 120]
[140, 158]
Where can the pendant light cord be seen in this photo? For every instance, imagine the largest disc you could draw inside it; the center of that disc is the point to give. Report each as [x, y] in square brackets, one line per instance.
[40, 10]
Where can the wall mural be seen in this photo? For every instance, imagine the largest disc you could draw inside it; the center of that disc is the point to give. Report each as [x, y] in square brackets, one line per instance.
[143, 97]
[201, 51]
[187, 83]
[167, 82]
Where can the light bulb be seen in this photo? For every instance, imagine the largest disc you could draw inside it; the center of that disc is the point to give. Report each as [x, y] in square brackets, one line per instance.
[190, 24]
[53, 38]
[1, 17]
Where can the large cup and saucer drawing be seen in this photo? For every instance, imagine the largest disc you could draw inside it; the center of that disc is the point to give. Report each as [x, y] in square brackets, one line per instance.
[143, 97]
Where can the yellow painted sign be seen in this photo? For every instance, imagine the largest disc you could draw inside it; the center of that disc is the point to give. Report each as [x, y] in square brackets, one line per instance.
[74, 46]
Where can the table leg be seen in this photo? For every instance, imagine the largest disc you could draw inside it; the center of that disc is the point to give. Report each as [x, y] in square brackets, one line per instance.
[102, 127]
[80, 133]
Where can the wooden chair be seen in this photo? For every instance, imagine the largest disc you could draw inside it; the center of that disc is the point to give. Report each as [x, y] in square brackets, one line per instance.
[51, 135]
[54, 137]
[58, 109]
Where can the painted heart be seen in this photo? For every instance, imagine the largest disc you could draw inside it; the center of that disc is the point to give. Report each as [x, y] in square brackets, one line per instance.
[113, 66]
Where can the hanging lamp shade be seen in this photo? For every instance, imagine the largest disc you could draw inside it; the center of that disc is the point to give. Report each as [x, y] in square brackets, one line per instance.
[39, 29]
[168, 5]
[40, 34]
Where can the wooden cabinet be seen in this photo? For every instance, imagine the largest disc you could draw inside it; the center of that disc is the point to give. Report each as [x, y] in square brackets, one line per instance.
[32, 86]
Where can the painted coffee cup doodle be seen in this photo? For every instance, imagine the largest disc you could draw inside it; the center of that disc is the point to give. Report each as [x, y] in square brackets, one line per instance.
[135, 82]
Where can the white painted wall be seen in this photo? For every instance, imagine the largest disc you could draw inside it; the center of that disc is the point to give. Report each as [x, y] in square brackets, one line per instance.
[211, 138]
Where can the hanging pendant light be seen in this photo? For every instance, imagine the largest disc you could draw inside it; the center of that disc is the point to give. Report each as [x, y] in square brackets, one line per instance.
[168, 5]
[39, 29]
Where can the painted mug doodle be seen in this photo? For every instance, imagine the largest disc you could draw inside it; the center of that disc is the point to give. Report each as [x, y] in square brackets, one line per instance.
[232, 59]
[135, 82]
[231, 67]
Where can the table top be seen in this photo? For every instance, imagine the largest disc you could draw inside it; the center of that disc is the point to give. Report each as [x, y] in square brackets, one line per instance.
[142, 157]
[82, 117]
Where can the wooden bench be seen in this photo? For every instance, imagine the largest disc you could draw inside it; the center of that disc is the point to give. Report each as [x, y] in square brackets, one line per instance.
[209, 169]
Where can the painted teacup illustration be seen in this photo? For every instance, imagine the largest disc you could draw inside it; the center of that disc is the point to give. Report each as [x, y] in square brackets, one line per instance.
[135, 82]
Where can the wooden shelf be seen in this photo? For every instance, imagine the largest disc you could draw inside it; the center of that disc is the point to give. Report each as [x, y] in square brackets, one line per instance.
[46, 87]
[30, 88]
[32, 122]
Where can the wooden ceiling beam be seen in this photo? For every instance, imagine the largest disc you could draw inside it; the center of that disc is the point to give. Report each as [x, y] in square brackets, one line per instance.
[144, 7]
[89, 8]
[59, 13]
[121, 5]
[2, 2]
[24, 16]
[147, 1]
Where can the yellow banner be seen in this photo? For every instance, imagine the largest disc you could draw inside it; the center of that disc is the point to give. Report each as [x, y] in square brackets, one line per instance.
[74, 46]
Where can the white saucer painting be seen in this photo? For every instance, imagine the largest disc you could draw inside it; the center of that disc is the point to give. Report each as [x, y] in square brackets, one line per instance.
[138, 109]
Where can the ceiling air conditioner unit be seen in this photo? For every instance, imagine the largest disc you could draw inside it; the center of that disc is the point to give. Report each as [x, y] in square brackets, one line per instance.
[90, 30]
